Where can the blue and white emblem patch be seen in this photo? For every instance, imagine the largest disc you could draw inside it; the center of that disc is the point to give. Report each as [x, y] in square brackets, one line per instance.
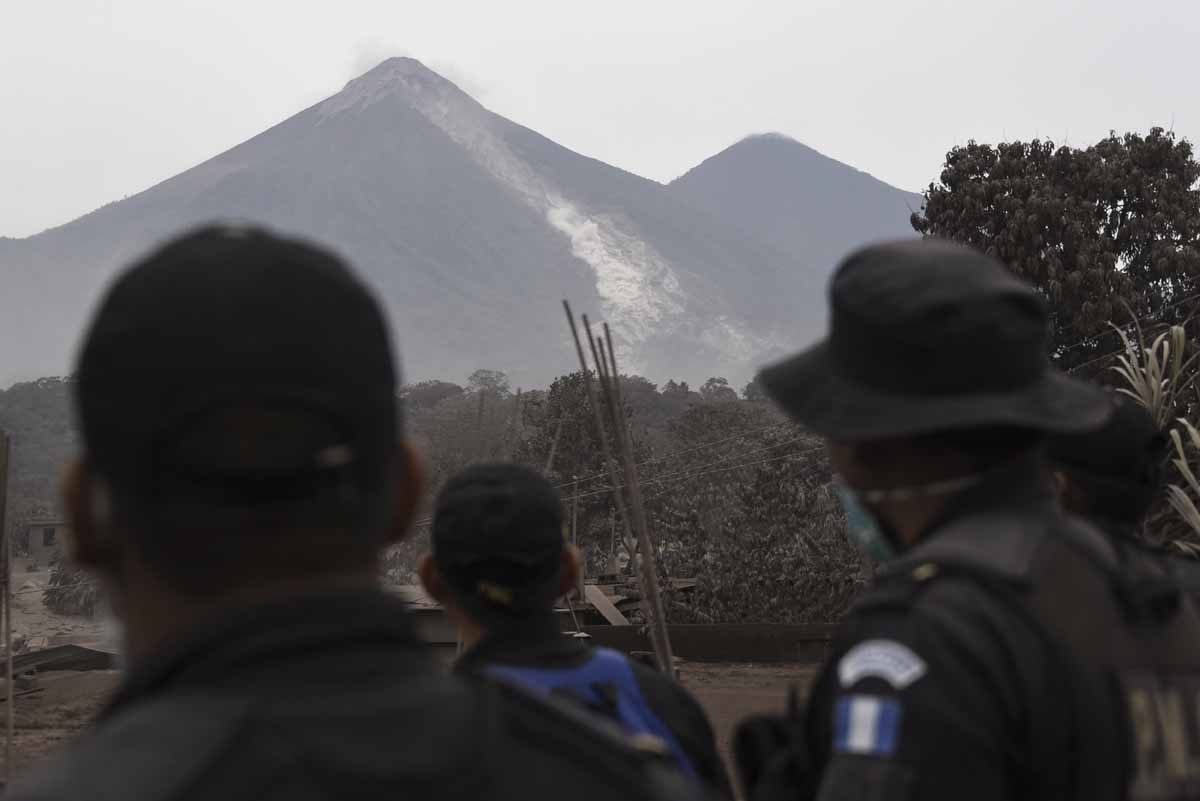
[866, 724]
[889, 660]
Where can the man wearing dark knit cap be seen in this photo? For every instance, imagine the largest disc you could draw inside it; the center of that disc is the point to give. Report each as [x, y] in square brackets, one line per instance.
[1114, 474]
[242, 469]
[1006, 649]
[499, 564]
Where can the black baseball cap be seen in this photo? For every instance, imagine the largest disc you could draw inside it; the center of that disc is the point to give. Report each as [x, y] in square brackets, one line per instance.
[498, 539]
[238, 365]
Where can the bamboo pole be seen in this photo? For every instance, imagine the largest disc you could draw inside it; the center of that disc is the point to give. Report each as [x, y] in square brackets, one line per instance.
[620, 455]
[652, 606]
[601, 433]
[634, 488]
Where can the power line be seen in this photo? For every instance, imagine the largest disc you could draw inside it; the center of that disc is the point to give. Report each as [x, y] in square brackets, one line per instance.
[671, 454]
[1089, 340]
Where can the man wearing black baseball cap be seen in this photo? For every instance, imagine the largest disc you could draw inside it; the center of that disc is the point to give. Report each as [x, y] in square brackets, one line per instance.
[1113, 475]
[242, 469]
[1006, 649]
[499, 564]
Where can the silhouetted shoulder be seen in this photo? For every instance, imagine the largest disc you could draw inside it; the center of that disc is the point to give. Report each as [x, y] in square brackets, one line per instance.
[567, 744]
[154, 751]
[452, 741]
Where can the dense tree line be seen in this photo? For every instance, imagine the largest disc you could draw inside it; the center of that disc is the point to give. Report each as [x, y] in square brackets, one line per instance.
[737, 497]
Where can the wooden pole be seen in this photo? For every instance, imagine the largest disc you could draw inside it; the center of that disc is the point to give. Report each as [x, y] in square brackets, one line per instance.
[601, 433]
[611, 448]
[554, 443]
[648, 570]
[579, 588]
[10, 729]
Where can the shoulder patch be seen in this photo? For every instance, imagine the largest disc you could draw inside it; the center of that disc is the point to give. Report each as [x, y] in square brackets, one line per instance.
[866, 724]
[889, 660]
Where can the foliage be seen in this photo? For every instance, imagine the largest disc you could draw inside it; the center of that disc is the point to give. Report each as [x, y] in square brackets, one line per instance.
[1160, 376]
[71, 591]
[754, 520]
[38, 419]
[717, 390]
[492, 382]
[674, 389]
[1157, 375]
[1115, 222]
[736, 496]
[428, 394]
[464, 428]
[754, 391]
[1184, 499]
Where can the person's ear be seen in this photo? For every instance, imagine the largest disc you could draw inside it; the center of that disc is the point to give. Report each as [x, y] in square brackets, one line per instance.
[431, 579]
[568, 579]
[91, 541]
[407, 492]
[1061, 483]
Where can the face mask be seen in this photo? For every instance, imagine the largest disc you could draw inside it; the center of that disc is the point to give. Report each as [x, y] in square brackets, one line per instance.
[864, 527]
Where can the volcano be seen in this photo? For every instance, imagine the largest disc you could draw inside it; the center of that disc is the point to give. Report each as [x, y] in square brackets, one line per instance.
[471, 228]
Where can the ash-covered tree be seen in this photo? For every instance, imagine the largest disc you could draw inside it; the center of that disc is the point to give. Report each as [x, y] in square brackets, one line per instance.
[750, 514]
[676, 389]
[1093, 228]
[717, 389]
[491, 382]
[427, 394]
[560, 433]
[755, 391]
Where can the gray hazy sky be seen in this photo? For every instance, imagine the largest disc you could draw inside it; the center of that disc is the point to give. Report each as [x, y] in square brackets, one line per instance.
[99, 100]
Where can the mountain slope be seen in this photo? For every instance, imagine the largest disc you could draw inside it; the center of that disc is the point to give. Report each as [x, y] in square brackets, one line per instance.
[470, 227]
[787, 195]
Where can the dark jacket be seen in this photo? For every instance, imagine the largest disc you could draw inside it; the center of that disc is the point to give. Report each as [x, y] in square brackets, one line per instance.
[334, 697]
[1014, 653]
[540, 643]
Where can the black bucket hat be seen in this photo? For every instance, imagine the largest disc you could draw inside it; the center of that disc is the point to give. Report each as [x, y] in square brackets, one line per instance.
[926, 335]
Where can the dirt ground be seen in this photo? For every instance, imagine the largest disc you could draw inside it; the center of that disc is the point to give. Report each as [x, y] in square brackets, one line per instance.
[51, 709]
[731, 692]
[54, 707]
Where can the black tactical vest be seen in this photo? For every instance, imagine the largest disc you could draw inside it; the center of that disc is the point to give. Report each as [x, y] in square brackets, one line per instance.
[1121, 628]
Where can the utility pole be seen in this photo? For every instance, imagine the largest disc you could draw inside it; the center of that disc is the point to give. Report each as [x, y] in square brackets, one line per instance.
[575, 537]
[8, 643]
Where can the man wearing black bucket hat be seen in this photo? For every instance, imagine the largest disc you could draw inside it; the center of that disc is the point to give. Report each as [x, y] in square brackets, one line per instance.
[243, 467]
[1006, 649]
[499, 564]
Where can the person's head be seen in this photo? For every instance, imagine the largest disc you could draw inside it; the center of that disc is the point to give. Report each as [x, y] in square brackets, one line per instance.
[933, 373]
[1114, 472]
[499, 558]
[236, 396]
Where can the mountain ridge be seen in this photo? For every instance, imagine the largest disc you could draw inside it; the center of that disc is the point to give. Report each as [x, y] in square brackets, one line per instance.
[470, 226]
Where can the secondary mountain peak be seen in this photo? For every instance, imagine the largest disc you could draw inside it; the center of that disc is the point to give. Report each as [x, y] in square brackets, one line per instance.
[803, 203]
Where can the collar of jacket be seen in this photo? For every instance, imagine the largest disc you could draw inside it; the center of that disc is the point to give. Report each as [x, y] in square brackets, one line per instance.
[531, 641]
[285, 632]
[996, 526]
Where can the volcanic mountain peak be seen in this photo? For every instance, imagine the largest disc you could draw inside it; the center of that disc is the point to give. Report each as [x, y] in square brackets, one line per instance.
[400, 77]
